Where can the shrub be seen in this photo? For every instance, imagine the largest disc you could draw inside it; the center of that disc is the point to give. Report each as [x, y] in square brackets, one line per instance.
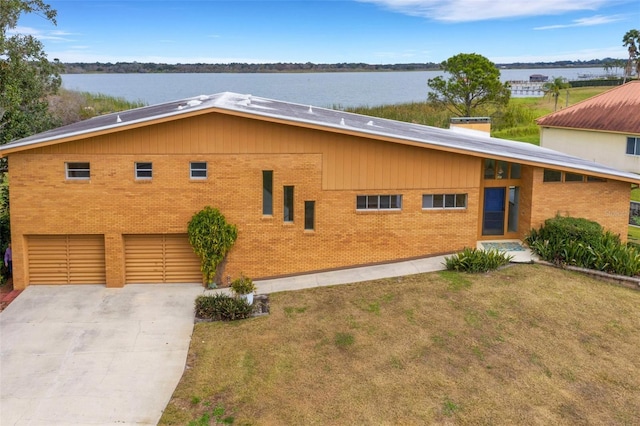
[243, 285]
[582, 243]
[474, 260]
[211, 238]
[221, 307]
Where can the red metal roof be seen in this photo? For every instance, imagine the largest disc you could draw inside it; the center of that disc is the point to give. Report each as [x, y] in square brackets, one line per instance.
[616, 110]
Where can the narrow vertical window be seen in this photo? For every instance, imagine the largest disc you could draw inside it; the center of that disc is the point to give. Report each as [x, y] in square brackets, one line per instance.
[288, 203]
[144, 170]
[267, 192]
[309, 215]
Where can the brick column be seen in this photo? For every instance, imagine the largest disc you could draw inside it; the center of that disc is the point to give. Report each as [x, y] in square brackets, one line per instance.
[114, 259]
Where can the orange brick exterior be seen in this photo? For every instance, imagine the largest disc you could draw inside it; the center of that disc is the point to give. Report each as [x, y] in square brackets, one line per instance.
[604, 202]
[113, 203]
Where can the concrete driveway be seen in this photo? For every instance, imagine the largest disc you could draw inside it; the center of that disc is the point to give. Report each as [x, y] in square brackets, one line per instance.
[89, 355]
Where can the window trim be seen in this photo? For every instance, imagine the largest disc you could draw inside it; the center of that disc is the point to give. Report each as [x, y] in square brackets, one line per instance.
[192, 170]
[310, 215]
[444, 206]
[288, 203]
[267, 192]
[636, 145]
[138, 169]
[375, 202]
[68, 169]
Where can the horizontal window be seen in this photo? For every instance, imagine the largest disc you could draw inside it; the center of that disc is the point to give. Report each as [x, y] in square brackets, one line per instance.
[573, 177]
[198, 170]
[379, 202]
[552, 176]
[78, 170]
[558, 176]
[144, 170]
[444, 201]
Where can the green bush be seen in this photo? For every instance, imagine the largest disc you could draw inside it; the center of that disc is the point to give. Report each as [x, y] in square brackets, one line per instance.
[474, 260]
[582, 243]
[221, 307]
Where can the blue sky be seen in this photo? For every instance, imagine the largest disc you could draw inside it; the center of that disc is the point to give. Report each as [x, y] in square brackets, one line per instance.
[332, 31]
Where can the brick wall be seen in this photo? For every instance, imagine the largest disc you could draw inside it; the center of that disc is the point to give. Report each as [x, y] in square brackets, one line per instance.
[604, 202]
[114, 203]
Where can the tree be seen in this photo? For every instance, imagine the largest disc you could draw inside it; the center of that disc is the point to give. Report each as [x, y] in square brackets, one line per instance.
[211, 238]
[552, 89]
[631, 40]
[474, 82]
[27, 77]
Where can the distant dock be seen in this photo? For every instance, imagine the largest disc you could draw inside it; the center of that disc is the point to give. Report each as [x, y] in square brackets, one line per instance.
[526, 88]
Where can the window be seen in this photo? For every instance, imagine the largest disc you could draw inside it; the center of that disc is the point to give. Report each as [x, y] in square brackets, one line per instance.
[497, 169]
[444, 201]
[78, 170]
[515, 171]
[379, 202]
[198, 170]
[595, 179]
[288, 203]
[144, 170]
[309, 215]
[552, 176]
[267, 192]
[633, 145]
[573, 177]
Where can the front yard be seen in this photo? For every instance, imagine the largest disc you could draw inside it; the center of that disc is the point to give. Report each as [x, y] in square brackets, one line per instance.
[528, 344]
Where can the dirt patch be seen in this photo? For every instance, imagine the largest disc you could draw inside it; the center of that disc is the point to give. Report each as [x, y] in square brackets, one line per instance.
[5, 289]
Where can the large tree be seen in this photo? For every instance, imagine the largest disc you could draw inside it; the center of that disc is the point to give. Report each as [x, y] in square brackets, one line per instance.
[474, 82]
[27, 77]
[631, 41]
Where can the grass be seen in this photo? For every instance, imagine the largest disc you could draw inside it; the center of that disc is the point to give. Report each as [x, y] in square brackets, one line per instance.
[528, 344]
[516, 122]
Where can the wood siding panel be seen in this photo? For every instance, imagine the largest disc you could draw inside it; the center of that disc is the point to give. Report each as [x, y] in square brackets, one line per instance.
[349, 163]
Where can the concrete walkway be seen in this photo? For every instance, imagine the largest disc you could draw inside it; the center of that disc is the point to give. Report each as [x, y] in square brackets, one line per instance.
[351, 275]
[90, 355]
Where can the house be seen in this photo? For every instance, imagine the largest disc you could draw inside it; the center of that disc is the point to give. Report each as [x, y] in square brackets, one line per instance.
[604, 128]
[107, 200]
[538, 78]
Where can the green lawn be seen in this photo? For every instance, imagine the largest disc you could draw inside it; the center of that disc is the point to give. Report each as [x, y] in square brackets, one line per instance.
[528, 344]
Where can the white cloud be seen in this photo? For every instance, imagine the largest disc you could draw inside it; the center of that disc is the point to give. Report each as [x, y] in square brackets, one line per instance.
[55, 35]
[480, 10]
[584, 22]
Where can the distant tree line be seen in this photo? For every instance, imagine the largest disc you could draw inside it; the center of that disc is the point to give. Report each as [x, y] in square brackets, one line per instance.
[139, 67]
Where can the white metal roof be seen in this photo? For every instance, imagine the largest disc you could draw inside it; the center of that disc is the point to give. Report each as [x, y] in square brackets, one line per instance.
[475, 143]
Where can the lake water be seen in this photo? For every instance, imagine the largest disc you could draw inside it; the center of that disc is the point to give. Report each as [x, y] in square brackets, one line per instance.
[319, 89]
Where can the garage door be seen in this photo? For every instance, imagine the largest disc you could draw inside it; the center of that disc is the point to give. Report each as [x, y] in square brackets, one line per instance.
[166, 258]
[66, 259]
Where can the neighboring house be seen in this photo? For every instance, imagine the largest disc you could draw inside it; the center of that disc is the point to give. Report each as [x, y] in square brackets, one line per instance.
[107, 200]
[604, 128]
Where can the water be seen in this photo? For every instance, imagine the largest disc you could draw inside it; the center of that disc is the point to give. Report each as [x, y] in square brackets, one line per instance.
[348, 89]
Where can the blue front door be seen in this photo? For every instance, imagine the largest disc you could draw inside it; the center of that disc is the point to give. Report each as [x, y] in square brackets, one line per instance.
[493, 212]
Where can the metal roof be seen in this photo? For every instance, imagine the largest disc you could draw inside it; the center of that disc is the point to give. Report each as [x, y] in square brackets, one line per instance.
[616, 110]
[460, 140]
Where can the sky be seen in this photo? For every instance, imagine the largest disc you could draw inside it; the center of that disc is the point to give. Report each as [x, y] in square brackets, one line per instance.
[333, 31]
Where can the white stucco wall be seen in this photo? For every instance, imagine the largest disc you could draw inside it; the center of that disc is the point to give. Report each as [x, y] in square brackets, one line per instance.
[600, 147]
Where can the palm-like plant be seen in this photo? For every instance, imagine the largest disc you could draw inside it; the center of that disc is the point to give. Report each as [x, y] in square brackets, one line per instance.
[631, 40]
[552, 88]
